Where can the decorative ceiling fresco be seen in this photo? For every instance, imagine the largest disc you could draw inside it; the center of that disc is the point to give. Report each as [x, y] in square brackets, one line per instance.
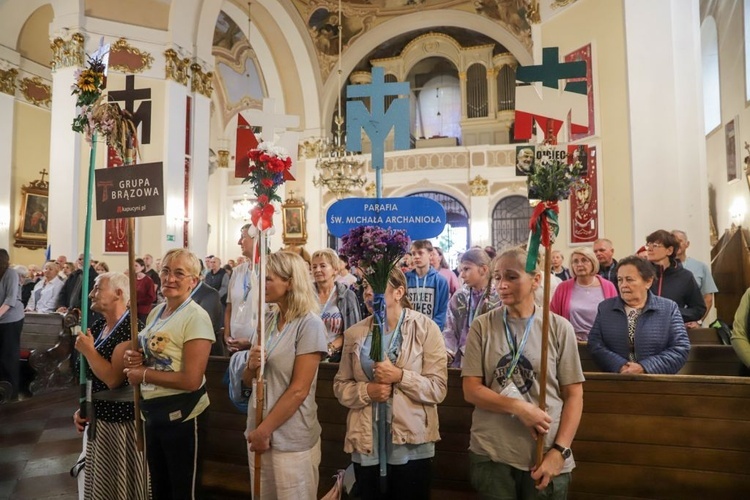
[238, 82]
[360, 16]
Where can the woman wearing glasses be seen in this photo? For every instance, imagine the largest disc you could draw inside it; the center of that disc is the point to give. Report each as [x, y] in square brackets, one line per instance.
[577, 299]
[673, 281]
[295, 341]
[170, 366]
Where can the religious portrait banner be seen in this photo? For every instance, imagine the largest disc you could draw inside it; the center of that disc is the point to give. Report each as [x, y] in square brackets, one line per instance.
[584, 199]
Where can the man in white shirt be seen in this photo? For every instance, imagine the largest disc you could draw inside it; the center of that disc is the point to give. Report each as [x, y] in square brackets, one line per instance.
[701, 273]
[44, 295]
[241, 313]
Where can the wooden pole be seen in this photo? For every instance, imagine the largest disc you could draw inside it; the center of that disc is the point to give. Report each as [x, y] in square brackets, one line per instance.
[259, 381]
[545, 349]
[134, 329]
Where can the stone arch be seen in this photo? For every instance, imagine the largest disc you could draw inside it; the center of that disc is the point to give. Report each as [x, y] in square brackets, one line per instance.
[392, 28]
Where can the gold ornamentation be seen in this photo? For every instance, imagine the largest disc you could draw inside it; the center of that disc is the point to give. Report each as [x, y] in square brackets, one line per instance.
[128, 59]
[176, 68]
[36, 92]
[556, 4]
[200, 81]
[478, 186]
[310, 148]
[67, 53]
[370, 190]
[8, 81]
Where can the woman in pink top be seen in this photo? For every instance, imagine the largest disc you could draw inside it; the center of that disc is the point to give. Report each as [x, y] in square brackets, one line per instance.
[577, 299]
[437, 260]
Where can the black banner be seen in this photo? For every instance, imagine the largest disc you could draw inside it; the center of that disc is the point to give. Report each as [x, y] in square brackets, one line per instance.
[129, 191]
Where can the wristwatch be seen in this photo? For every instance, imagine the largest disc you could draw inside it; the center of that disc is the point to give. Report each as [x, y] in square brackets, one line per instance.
[565, 452]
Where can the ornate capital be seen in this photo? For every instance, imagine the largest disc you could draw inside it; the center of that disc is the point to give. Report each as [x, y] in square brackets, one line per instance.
[201, 82]
[176, 68]
[8, 81]
[310, 148]
[67, 53]
[36, 92]
[128, 59]
[478, 186]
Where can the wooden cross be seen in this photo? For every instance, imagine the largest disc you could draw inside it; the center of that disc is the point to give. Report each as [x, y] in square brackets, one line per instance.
[44, 172]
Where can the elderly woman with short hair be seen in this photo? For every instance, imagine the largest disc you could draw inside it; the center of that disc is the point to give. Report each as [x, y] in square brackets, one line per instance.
[638, 332]
[295, 341]
[338, 304]
[103, 347]
[577, 299]
[171, 367]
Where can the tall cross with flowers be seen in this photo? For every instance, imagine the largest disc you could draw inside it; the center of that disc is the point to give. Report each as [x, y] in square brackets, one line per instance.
[268, 169]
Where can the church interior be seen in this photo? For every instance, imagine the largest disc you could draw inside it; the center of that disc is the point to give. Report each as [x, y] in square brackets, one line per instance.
[667, 91]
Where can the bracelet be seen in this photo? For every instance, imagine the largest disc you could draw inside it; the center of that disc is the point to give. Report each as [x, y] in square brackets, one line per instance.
[144, 375]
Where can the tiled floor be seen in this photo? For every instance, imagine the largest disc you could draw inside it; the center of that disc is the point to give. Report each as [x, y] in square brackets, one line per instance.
[38, 446]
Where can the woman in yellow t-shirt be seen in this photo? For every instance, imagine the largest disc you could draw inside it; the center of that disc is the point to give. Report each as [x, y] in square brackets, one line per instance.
[170, 366]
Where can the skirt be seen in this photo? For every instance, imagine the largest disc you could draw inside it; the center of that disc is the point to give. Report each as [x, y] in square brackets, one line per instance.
[115, 469]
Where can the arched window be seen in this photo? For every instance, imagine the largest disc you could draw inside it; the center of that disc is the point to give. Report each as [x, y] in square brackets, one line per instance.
[506, 88]
[510, 222]
[476, 91]
[439, 108]
[710, 64]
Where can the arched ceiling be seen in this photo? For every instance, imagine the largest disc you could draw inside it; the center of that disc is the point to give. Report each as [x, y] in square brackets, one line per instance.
[146, 13]
[394, 46]
[33, 40]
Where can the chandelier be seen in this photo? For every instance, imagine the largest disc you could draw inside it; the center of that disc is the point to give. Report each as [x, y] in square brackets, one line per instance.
[241, 209]
[338, 171]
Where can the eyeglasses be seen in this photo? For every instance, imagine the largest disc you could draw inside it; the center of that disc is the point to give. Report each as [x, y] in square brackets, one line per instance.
[651, 246]
[178, 275]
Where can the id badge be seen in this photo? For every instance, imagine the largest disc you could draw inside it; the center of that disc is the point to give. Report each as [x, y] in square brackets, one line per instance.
[511, 391]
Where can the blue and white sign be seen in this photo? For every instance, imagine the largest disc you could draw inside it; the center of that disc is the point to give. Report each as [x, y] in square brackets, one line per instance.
[421, 218]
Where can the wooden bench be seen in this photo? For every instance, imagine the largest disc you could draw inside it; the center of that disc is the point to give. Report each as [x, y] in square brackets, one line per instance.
[708, 359]
[47, 345]
[641, 436]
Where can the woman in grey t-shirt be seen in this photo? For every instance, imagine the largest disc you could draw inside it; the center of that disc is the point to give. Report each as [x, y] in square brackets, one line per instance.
[295, 341]
[501, 379]
[11, 324]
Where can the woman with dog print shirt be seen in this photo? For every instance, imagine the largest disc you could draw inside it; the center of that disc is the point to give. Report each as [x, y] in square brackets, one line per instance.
[170, 366]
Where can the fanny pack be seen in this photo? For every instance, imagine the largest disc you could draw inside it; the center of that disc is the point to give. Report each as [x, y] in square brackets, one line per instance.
[170, 409]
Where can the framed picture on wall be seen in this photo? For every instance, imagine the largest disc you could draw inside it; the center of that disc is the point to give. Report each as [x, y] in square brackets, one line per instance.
[731, 135]
[293, 222]
[32, 225]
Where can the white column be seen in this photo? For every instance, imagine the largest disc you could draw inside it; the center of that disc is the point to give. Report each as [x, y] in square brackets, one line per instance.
[668, 148]
[66, 199]
[199, 175]
[6, 158]
[480, 223]
[175, 96]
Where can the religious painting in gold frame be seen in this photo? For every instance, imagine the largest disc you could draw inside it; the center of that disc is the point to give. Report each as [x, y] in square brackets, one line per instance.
[34, 215]
[293, 222]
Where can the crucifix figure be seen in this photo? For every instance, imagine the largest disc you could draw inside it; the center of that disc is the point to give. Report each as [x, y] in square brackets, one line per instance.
[44, 172]
[269, 122]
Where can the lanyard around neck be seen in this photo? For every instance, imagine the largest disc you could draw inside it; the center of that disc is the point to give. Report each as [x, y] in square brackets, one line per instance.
[158, 316]
[247, 283]
[473, 309]
[101, 338]
[516, 353]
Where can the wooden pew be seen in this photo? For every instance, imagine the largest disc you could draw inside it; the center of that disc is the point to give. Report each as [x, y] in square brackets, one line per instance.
[704, 336]
[641, 436]
[708, 359]
[47, 345]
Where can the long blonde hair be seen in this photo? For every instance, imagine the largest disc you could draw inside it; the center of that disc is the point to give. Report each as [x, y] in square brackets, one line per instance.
[301, 296]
